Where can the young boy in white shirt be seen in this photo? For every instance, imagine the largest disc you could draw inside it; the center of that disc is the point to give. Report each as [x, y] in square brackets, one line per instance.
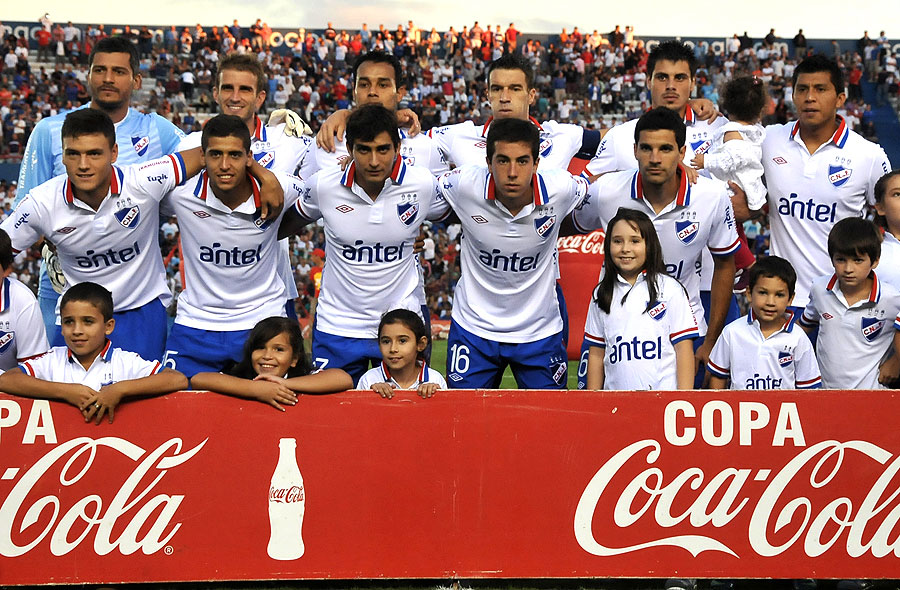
[88, 372]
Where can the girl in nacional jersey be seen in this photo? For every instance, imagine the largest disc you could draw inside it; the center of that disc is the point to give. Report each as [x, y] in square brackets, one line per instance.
[274, 368]
[402, 339]
[640, 324]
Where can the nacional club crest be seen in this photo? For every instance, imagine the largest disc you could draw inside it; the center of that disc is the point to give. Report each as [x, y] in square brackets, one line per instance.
[838, 175]
[543, 225]
[261, 223]
[701, 147]
[6, 339]
[265, 159]
[140, 144]
[407, 212]
[686, 231]
[871, 328]
[657, 311]
[546, 147]
[785, 359]
[129, 217]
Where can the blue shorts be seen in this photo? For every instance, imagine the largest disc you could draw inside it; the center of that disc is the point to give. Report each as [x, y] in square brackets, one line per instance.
[47, 298]
[193, 351]
[563, 314]
[141, 330]
[353, 355]
[477, 363]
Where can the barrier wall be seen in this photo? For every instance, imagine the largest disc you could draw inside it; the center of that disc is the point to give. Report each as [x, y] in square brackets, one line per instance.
[471, 484]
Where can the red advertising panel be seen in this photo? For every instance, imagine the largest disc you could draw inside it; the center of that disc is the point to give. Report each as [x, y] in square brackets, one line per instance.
[470, 484]
[580, 262]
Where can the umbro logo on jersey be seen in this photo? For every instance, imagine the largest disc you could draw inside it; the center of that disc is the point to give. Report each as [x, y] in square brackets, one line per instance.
[201, 214]
[480, 144]
[344, 208]
[140, 144]
[65, 230]
[658, 311]
[479, 219]
[779, 160]
[838, 175]
[827, 316]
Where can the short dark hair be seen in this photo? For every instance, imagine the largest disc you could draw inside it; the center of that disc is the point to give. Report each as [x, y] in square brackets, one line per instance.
[118, 44]
[369, 121]
[225, 126]
[743, 98]
[854, 236]
[88, 122]
[243, 63]
[773, 267]
[513, 131]
[6, 253]
[671, 51]
[512, 61]
[411, 320]
[88, 292]
[881, 192]
[661, 119]
[819, 63]
[380, 57]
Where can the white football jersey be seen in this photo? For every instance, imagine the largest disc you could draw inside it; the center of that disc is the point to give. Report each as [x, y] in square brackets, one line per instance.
[809, 193]
[116, 246]
[507, 289]
[784, 360]
[111, 366]
[370, 266]
[465, 144]
[230, 257]
[853, 340]
[639, 344]
[22, 332]
[699, 218]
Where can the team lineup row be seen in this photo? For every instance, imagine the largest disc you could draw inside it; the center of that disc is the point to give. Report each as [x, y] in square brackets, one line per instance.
[506, 309]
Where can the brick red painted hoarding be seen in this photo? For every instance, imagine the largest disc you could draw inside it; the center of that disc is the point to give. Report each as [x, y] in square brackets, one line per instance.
[470, 484]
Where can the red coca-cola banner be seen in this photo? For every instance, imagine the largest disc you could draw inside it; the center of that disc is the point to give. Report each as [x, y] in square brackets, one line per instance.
[468, 484]
[580, 263]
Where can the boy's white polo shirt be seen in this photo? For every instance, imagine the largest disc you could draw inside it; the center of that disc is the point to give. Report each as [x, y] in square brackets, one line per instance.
[809, 193]
[111, 366]
[699, 218]
[853, 340]
[639, 343]
[370, 264]
[116, 246]
[381, 374]
[465, 144]
[230, 257]
[784, 360]
[22, 332]
[507, 291]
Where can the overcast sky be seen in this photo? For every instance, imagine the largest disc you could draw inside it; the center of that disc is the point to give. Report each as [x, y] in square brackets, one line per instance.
[818, 18]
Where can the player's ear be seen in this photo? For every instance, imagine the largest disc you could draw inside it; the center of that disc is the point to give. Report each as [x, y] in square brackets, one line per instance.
[422, 344]
[109, 326]
[682, 150]
[137, 81]
[114, 152]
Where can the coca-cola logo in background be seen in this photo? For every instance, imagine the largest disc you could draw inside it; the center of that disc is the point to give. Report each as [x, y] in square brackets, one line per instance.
[137, 517]
[784, 505]
[591, 243]
[287, 495]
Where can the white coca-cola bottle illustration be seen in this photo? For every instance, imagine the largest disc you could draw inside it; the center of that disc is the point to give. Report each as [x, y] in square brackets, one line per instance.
[287, 503]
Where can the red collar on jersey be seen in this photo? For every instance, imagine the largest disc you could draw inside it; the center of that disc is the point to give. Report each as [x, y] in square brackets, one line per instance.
[539, 189]
[115, 185]
[874, 294]
[682, 199]
[487, 125]
[840, 136]
[398, 172]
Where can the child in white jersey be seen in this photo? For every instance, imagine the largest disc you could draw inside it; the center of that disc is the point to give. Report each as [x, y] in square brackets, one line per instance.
[736, 152]
[402, 339]
[640, 323]
[887, 207]
[273, 368]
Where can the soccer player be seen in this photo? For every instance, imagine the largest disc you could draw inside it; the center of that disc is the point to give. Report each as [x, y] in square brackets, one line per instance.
[104, 221]
[372, 212]
[240, 91]
[764, 350]
[817, 171]
[376, 80]
[22, 334]
[506, 312]
[229, 253]
[688, 218]
[113, 76]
